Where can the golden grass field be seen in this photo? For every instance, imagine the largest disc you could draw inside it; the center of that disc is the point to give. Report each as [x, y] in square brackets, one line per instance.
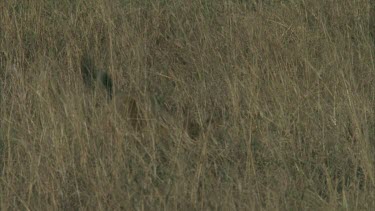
[218, 105]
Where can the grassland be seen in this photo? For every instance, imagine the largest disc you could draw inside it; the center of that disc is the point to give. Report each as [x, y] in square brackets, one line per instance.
[263, 105]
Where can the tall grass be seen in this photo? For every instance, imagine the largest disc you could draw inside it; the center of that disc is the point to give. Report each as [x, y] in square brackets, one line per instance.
[257, 105]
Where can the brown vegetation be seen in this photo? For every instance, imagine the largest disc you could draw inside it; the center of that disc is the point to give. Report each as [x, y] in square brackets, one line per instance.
[223, 105]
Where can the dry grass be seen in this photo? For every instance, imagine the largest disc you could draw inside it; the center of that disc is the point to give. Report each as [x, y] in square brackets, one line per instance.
[244, 106]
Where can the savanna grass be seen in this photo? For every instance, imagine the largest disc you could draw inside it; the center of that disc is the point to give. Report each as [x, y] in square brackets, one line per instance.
[229, 105]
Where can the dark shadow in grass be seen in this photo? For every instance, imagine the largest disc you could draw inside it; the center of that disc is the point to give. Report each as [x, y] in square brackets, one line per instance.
[92, 76]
